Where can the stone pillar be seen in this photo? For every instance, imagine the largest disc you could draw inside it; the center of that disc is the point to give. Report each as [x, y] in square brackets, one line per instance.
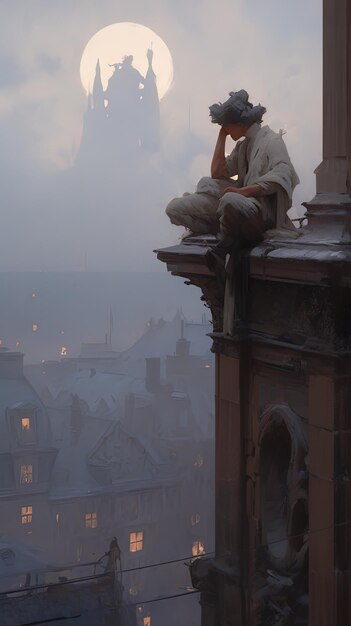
[334, 173]
[330, 438]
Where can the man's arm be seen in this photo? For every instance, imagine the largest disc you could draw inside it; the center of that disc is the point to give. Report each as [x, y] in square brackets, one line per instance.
[218, 165]
[254, 191]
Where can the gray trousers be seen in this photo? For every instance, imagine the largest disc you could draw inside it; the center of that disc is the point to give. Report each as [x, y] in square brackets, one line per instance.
[232, 218]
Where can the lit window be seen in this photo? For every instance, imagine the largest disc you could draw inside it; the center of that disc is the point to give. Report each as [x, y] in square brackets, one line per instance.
[25, 423]
[62, 332]
[64, 351]
[198, 461]
[198, 548]
[195, 519]
[18, 344]
[147, 621]
[26, 430]
[57, 518]
[34, 328]
[26, 514]
[26, 477]
[90, 520]
[136, 541]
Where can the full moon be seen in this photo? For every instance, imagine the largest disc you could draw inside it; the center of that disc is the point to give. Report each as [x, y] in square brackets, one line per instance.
[112, 43]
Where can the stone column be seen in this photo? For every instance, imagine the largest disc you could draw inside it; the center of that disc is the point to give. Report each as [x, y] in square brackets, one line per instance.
[334, 173]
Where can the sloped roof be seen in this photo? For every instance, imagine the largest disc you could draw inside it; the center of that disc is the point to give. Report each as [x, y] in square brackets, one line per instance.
[161, 338]
[71, 474]
[16, 559]
[93, 386]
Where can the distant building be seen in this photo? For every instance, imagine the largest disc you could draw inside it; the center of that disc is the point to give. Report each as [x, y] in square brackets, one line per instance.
[123, 120]
[133, 459]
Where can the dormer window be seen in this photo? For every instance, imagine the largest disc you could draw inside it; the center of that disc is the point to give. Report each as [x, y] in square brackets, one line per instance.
[27, 430]
[25, 422]
[22, 423]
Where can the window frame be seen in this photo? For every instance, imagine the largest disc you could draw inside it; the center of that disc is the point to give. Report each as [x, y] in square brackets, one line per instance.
[26, 512]
[136, 541]
[93, 518]
[23, 473]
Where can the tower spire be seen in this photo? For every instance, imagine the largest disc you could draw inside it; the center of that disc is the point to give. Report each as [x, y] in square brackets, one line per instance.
[98, 91]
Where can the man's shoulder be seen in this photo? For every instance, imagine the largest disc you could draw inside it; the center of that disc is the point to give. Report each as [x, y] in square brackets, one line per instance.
[266, 131]
[269, 139]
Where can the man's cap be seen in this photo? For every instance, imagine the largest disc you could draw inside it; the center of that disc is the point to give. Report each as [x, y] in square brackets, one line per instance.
[236, 110]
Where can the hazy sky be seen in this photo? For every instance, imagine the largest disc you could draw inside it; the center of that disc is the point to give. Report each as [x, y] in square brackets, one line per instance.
[271, 48]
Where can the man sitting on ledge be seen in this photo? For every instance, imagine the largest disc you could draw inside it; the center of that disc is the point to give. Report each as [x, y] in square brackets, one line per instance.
[239, 211]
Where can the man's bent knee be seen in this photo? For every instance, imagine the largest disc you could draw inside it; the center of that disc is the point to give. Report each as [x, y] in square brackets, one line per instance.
[235, 205]
[174, 209]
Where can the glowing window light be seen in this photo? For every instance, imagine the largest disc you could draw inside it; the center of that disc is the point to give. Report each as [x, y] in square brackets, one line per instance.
[136, 541]
[57, 518]
[195, 519]
[25, 424]
[18, 343]
[34, 328]
[147, 621]
[198, 548]
[26, 476]
[63, 351]
[91, 520]
[34, 295]
[207, 366]
[26, 514]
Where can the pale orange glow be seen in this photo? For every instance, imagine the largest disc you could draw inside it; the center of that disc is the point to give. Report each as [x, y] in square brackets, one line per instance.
[26, 514]
[198, 548]
[26, 476]
[64, 351]
[34, 328]
[91, 520]
[110, 44]
[147, 621]
[25, 422]
[136, 541]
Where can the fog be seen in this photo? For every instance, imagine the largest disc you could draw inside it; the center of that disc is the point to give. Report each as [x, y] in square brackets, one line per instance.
[53, 216]
[106, 370]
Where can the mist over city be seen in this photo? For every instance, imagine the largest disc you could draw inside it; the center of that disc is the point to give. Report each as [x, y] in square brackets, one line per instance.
[114, 365]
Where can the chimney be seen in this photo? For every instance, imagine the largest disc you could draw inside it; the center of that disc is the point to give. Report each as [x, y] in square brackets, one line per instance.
[11, 364]
[153, 374]
[182, 345]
